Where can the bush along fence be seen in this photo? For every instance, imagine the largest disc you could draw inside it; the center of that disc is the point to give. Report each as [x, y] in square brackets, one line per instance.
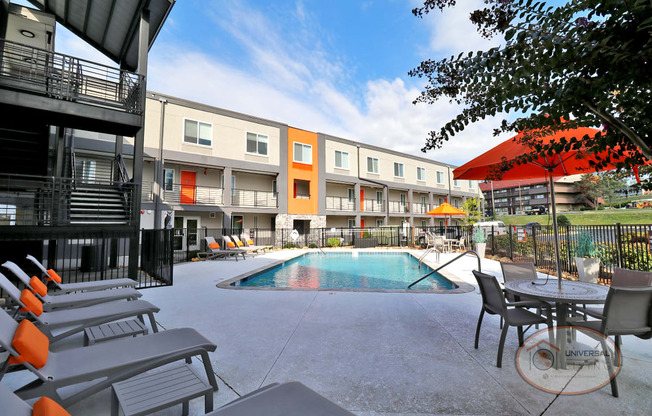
[188, 242]
[626, 246]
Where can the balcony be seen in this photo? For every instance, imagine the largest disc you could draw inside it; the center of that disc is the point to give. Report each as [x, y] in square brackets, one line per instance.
[399, 207]
[374, 205]
[249, 198]
[420, 208]
[48, 201]
[338, 203]
[64, 83]
[176, 193]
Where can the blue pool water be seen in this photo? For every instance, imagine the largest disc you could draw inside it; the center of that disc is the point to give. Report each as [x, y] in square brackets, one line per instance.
[351, 270]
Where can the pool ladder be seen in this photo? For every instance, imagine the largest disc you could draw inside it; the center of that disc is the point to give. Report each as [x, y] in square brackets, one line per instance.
[430, 250]
[446, 264]
[318, 246]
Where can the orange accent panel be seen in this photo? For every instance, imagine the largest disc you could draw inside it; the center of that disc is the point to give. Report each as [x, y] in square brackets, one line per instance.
[361, 199]
[304, 172]
[38, 286]
[32, 345]
[31, 302]
[361, 226]
[188, 182]
[214, 246]
[45, 406]
[53, 276]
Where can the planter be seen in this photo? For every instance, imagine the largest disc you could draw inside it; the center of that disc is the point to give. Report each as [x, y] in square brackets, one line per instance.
[588, 269]
[480, 248]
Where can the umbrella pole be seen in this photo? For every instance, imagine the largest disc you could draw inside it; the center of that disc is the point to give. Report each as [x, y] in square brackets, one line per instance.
[555, 230]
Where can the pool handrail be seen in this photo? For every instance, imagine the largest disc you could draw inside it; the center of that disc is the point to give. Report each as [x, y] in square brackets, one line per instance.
[428, 251]
[446, 264]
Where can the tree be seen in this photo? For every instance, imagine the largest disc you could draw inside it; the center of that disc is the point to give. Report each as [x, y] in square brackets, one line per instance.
[473, 213]
[585, 63]
[610, 183]
[590, 187]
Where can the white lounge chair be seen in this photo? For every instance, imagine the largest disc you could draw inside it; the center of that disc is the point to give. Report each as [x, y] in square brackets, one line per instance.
[215, 251]
[248, 248]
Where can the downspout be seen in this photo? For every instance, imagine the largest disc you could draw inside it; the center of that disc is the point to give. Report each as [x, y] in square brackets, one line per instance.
[159, 179]
[376, 183]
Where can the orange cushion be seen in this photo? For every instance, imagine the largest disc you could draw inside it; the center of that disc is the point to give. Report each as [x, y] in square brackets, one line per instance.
[38, 286]
[239, 243]
[31, 344]
[250, 242]
[31, 302]
[214, 246]
[45, 406]
[230, 244]
[53, 276]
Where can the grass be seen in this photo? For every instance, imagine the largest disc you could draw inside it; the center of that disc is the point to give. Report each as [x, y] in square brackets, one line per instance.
[602, 217]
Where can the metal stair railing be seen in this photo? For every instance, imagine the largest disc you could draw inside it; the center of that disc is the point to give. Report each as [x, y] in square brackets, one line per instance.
[446, 264]
[428, 251]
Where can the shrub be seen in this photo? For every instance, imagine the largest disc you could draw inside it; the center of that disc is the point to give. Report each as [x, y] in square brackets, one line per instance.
[289, 245]
[333, 242]
[312, 245]
[366, 234]
[478, 236]
[563, 220]
[585, 247]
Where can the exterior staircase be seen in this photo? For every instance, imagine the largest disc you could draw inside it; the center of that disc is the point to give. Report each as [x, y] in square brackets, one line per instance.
[98, 204]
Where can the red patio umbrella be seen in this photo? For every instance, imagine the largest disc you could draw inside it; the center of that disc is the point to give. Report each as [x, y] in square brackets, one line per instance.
[558, 164]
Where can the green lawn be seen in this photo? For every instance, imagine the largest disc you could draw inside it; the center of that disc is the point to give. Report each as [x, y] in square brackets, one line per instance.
[602, 217]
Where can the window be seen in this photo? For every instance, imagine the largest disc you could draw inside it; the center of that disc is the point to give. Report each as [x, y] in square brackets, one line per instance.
[471, 184]
[257, 144]
[456, 183]
[379, 197]
[351, 195]
[539, 196]
[398, 170]
[341, 159]
[255, 221]
[232, 181]
[403, 199]
[424, 224]
[302, 153]
[169, 180]
[421, 174]
[423, 200]
[301, 189]
[351, 223]
[440, 177]
[372, 165]
[274, 187]
[457, 203]
[441, 201]
[379, 223]
[196, 132]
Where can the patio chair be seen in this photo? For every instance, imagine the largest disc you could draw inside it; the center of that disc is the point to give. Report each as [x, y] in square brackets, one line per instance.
[15, 406]
[250, 244]
[439, 242]
[52, 276]
[493, 303]
[78, 319]
[240, 245]
[285, 399]
[84, 371]
[69, 300]
[216, 252]
[627, 311]
[459, 244]
[523, 271]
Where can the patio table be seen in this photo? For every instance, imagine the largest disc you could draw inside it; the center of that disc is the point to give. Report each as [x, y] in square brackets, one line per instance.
[571, 292]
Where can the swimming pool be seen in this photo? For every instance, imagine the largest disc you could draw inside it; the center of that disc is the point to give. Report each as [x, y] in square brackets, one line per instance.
[352, 270]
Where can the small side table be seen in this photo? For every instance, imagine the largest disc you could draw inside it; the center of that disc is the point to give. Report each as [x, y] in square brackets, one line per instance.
[113, 330]
[151, 392]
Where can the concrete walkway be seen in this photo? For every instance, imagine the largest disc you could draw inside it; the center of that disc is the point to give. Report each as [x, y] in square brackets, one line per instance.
[372, 353]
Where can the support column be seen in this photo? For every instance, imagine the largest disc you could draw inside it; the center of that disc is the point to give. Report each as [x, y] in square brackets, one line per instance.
[139, 139]
[358, 204]
[159, 170]
[410, 201]
[228, 190]
[386, 202]
[431, 205]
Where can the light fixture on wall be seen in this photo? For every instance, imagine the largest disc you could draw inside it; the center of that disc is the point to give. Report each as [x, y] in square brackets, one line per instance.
[27, 33]
[205, 171]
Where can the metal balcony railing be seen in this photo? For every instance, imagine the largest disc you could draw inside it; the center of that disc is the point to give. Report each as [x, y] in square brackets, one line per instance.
[192, 194]
[249, 198]
[64, 77]
[51, 201]
[374, 205]
[338, 203]
[420, 208]
[399, 207]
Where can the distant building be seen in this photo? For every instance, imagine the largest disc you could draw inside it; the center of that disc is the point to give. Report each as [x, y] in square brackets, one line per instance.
[515, 197]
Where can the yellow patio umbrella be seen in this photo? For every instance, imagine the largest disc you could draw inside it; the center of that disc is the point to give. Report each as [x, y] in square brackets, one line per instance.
[446, 209]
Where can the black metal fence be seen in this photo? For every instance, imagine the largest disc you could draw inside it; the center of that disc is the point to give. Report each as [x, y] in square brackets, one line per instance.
[88, 255]
[626, 246]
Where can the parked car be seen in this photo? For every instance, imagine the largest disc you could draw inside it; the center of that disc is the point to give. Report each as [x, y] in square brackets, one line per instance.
[498, 227]
[536, 210]
[532, 226]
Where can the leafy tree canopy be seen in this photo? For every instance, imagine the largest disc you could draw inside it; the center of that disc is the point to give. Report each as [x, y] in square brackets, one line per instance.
[472, 208]
[585, 63]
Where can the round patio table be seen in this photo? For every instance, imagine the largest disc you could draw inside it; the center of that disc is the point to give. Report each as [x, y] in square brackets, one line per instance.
[571, 292]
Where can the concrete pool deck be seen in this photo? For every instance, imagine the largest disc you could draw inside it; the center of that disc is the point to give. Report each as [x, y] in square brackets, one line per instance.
[372, 353]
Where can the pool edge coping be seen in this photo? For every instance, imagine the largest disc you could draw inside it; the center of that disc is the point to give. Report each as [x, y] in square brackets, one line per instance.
[462, 286]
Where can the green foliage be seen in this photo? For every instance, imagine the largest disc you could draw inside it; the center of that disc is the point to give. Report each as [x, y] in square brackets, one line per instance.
[289, 245]
[472, 208]
[563, 220]
[333, 242]
[583, 63]
[478, 236]
[312, 245]
[366, 234]
[585, 247]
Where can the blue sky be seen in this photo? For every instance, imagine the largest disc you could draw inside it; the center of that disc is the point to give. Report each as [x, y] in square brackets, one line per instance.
[337, 67]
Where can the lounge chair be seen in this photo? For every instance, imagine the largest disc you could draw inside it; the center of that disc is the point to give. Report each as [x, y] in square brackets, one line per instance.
[215, 251]
[286, 399]
[627, 311]
[88, 370]
[69, 300]
[15, 406]
[77, 319]
[250, 243]
[493, 303]
[52, 276]
[231, 243]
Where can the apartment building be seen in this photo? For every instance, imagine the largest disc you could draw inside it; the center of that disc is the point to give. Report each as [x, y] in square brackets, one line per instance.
[515, 197]
[214, 168]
